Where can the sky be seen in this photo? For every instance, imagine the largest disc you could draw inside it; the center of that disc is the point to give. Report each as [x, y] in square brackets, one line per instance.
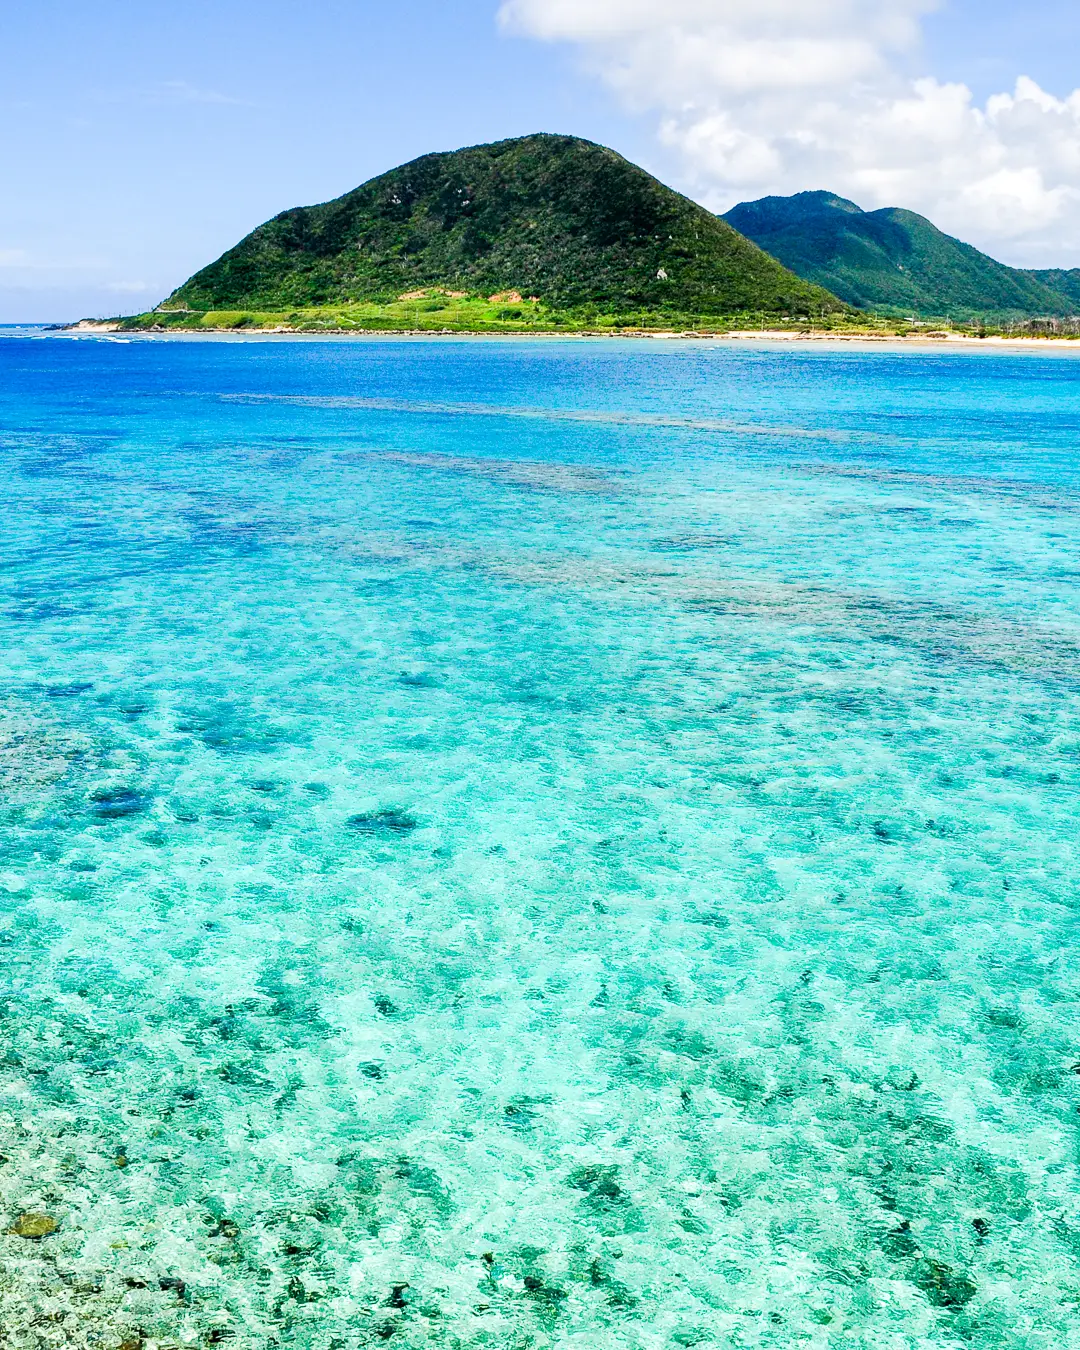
[139, 141]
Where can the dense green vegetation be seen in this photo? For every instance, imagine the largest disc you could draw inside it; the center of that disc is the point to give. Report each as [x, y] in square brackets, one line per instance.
[434, 311]
[571, 226]
[1065, 283]
[895, 261]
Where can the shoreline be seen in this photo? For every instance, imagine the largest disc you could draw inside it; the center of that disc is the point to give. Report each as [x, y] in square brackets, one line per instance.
[763, 337]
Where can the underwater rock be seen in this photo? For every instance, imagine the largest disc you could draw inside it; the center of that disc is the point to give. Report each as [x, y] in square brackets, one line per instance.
[424, 1182]
[541, 1290]
[943, 1286]
[520, 1112]
[117, 802]
[33, 1226]
[900, 1243]
[232, 731]
[389, 823]
[690, 1336]
[603, 1191]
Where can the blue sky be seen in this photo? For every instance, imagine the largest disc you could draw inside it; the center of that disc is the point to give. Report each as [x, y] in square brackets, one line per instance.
[987, 43]
[140, 140]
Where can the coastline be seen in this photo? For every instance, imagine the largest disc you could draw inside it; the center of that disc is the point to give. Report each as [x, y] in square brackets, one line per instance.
[939, 341]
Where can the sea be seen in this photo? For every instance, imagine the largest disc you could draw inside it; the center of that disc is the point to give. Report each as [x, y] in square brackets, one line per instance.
[537, 843]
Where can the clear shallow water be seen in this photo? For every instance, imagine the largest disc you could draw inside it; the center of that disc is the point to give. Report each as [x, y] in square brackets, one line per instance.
[539, 844]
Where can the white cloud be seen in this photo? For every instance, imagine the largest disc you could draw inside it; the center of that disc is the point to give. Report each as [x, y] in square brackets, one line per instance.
[761, 96]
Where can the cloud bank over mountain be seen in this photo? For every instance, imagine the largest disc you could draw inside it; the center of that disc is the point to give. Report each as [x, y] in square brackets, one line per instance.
[778, 96]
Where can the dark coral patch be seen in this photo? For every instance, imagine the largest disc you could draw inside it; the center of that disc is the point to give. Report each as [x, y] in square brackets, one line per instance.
[389, 823]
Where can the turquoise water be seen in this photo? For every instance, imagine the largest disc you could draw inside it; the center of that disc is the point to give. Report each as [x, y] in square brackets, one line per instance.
[539, 844]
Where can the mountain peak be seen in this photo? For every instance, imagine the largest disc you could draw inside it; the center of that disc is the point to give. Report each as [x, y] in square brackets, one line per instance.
[819, 199]
[547, 215]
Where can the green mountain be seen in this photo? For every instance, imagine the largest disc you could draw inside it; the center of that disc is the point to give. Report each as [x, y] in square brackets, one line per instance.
[896, 261]
[552, 217]
[1065, 282]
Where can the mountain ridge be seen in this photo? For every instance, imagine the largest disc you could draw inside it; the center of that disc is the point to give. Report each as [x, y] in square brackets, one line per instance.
[894, 260]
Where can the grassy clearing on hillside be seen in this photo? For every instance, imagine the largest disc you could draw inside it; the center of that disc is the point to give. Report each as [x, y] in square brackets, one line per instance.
[430, 312]
[436, 311]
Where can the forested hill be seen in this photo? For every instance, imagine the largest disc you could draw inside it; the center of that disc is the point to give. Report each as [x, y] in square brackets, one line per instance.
[554, 217]
[896, 261]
